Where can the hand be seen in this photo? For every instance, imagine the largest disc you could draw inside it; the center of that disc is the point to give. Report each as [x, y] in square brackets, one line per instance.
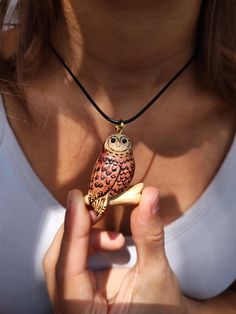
[149, 287]
[71, 287]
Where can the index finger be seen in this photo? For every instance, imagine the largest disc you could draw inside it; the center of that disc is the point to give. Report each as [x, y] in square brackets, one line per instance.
[72, 261]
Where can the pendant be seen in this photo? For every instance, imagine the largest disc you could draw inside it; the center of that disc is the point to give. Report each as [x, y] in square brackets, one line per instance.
[112, 172]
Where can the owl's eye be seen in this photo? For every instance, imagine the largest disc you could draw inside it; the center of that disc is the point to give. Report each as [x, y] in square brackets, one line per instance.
[124, 141]
[113, 140]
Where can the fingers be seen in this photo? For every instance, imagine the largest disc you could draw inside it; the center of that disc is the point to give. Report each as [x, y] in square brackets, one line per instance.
[65, 263]
[71, 270]
[147, 229]
[94, 217]
[106, 240]
[49, 264]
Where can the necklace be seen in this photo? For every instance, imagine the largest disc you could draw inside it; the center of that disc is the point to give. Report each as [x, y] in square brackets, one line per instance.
[115, 166]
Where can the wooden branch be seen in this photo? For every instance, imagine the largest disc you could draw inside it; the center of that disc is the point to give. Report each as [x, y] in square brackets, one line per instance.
[131, 196]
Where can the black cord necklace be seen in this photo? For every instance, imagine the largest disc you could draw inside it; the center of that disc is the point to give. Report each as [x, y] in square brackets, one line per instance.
[137, 115]
[114, 168]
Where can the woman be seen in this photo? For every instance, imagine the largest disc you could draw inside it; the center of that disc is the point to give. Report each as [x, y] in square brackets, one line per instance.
[123, 52]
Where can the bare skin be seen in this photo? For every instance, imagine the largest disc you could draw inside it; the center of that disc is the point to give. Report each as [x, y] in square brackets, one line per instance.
[200, 125]
[74, 289]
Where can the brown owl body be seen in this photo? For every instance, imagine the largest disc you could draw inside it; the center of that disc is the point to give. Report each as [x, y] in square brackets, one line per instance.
[112, 173]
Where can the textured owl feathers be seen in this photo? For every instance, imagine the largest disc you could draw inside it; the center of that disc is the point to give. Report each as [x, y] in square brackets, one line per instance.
[99, 205]
[111, 175]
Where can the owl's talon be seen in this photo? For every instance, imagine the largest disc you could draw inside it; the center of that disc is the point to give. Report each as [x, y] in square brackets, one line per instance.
[129, 197]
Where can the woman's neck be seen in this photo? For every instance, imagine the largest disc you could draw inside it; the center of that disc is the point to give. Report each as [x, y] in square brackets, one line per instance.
[128, 37]
[123, 52]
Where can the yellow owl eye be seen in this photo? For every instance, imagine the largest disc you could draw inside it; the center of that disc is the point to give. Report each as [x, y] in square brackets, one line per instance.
[113, 140]
[124, 141]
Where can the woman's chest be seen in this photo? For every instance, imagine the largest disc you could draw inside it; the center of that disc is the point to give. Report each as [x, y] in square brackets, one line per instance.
[180, 168]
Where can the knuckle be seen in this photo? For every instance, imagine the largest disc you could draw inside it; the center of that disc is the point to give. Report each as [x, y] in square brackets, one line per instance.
[156, 240]
[151, 239]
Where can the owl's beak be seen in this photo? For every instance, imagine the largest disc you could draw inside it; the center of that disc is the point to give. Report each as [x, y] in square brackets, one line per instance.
[118, 143]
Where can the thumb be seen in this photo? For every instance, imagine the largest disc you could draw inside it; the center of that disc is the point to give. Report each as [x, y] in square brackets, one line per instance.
[147, 230]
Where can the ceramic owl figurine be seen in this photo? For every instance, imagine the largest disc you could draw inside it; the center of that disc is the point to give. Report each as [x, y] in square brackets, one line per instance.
[112, 173]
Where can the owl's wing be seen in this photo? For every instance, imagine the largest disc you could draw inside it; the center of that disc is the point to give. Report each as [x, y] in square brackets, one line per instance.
[127, 167]
[105, 173]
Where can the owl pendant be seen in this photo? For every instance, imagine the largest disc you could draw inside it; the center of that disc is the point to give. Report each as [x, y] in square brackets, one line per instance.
[112, 172]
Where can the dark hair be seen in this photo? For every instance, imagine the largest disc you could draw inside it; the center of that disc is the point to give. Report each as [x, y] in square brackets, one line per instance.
[35, 21]
[36, 18]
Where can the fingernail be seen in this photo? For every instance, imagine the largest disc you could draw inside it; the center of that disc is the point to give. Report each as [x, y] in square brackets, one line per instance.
[114, 235]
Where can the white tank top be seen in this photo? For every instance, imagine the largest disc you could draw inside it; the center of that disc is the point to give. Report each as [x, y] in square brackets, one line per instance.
[200, 245]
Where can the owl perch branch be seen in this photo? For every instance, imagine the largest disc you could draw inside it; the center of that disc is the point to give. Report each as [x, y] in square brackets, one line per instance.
[131, 196]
